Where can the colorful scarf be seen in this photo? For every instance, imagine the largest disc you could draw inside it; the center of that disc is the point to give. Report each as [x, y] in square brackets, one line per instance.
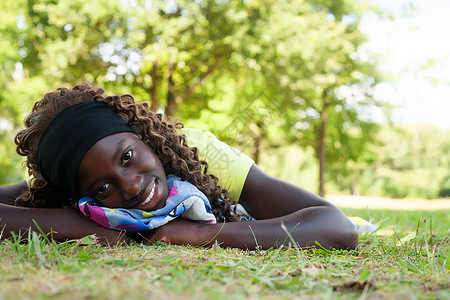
[184, 200]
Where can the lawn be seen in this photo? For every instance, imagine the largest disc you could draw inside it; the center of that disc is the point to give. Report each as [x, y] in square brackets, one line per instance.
[408, 258]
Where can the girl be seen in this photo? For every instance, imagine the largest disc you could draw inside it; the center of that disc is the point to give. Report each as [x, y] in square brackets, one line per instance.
[80, 142]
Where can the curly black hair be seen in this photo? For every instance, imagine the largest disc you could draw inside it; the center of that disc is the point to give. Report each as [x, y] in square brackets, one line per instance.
[160, 135]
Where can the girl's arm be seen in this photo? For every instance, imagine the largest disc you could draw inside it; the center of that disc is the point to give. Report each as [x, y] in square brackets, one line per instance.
[64, 223]
[9, 193]
[307, 217]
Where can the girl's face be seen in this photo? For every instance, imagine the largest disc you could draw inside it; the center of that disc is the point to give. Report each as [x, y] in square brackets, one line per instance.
[121, 171]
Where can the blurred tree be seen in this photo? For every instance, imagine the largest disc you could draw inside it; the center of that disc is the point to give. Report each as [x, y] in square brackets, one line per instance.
[337, 91]
[11, 106]
[11, 29]
[64, 40]
[276, 72]
[181, 43]
[299, 63]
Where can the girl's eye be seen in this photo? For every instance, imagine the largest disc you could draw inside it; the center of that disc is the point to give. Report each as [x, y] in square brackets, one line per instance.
[102, 189]
[126, 157]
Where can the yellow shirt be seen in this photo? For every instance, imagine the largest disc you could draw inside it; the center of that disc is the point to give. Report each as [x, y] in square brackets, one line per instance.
[227, 163]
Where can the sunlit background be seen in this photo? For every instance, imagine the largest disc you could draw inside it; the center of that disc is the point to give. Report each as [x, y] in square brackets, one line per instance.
[415, 52]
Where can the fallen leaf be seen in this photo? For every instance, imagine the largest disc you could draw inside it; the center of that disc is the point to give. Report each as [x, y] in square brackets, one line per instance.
[354, 285]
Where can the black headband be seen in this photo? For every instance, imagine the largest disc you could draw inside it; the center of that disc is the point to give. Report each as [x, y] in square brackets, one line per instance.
[70, 135]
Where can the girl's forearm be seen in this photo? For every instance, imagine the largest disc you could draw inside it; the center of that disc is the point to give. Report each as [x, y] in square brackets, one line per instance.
[62, 223]
[9, 193]
[326, 225]
[305, 227]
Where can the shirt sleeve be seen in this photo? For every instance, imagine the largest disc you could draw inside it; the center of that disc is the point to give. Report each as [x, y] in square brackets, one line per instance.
[228, 164]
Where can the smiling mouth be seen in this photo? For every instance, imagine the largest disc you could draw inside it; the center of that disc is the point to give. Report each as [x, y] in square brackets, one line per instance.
[150, 196]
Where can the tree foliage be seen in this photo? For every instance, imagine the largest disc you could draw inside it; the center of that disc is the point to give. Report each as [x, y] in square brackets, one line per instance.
[259, 73]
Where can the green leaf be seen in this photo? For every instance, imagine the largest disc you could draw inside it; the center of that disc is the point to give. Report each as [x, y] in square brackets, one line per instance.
[37, 249]
[119, 262]
[168, 259]
[82, 256]
[88, 240]
[364, 275]
[407, 238]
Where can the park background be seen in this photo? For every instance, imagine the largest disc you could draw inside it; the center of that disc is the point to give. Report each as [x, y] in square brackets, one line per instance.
[357, 91]
[340, 97]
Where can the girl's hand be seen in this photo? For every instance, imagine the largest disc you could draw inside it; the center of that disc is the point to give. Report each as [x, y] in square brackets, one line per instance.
[176, 232]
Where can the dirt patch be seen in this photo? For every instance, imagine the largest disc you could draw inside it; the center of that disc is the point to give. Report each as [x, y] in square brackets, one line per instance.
[388, 203]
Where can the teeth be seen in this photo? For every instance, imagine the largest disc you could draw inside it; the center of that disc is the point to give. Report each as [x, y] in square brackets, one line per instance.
[149, 198]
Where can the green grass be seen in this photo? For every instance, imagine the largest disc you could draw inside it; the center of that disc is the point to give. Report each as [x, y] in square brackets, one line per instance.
[412, 263]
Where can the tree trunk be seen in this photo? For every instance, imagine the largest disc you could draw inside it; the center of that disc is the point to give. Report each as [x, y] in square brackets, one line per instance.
[258, 137]
[322, 149]
[355, 181]
[171, 99]
[256, 147]
[154, 89]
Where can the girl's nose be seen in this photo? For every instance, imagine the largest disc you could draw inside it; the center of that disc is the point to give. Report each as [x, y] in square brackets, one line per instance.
[131, 185]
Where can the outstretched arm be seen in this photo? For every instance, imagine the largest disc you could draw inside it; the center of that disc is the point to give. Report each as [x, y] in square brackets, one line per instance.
[64, 223]
[307, 217]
